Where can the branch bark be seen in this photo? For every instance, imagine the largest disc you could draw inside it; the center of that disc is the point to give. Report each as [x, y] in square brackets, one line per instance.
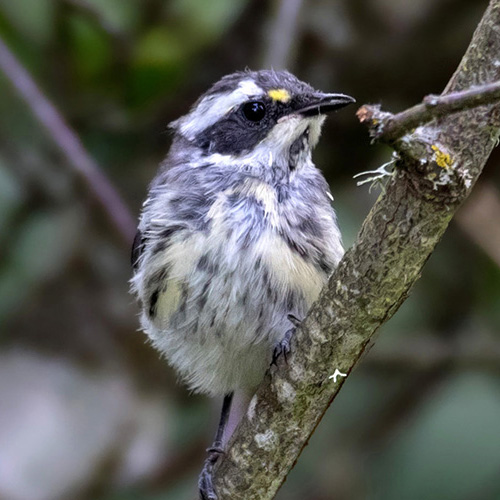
[436, 168]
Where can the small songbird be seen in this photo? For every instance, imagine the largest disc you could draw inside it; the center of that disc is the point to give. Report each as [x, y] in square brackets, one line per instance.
[237, 237]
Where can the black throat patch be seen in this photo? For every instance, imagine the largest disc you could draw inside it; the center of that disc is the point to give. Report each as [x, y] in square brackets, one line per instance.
[299, 149]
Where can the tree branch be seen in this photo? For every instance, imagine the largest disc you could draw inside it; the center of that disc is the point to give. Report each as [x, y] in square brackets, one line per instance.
[386, 127]
[68, 143]
[435, 171]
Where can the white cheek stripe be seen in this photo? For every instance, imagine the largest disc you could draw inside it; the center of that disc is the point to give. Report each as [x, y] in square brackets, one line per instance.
[214, 107]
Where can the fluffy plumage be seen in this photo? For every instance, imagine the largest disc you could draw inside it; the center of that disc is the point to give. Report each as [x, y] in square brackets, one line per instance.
[237, 232]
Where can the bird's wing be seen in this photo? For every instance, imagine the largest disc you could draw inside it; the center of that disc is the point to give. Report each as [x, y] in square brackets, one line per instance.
[137, 249]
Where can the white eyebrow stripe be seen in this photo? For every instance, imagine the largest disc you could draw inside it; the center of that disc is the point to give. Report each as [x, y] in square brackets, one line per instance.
[214, 107]
[249, 88]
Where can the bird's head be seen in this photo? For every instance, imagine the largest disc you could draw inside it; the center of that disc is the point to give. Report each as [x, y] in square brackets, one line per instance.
[260, 116]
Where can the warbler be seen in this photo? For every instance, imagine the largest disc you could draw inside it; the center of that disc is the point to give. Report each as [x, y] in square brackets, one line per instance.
[237, 236]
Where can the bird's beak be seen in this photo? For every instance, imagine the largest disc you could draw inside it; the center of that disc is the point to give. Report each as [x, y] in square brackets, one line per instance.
[319, 103]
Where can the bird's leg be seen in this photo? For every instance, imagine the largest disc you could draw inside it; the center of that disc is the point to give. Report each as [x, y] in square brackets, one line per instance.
[205, 482]
[283, 346]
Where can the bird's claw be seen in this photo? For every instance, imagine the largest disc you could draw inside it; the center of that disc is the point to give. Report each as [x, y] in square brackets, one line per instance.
[294, 320]
[283, 346]
[205, 482]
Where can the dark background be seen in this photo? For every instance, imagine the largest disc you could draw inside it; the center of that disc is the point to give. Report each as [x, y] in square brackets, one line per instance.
[87, 408]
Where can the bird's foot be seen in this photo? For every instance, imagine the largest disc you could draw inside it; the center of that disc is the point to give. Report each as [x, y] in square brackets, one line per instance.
[294, 320]
[283, 346]
[205, 482]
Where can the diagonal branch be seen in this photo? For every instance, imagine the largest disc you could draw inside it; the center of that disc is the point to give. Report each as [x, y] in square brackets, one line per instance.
[68, 143]
[435, 171]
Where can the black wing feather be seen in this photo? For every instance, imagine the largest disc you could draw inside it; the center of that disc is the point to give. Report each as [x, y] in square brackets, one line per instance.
[137, 249]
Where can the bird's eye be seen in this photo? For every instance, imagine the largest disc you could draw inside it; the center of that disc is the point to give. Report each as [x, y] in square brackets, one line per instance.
[254, 111]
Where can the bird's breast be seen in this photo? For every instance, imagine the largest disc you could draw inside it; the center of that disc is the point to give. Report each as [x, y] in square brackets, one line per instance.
[250, 224]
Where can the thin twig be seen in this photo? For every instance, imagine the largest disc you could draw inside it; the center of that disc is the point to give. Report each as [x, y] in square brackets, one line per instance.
[68, 143]
[386, 127]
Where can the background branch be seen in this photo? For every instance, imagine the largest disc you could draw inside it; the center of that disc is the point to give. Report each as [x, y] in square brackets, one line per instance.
[372, 280]
[283, 31]
[94, 14]
[429, 353]
[479, 218]
[68, 143]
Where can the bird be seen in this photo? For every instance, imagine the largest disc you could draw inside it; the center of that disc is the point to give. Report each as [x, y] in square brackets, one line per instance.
[236, 237]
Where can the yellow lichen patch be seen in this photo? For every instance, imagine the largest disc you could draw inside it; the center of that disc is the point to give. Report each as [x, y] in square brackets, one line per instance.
[442, 159]
[280, 95]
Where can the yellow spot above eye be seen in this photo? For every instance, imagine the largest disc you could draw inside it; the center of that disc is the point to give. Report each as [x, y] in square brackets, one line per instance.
[280, 95]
